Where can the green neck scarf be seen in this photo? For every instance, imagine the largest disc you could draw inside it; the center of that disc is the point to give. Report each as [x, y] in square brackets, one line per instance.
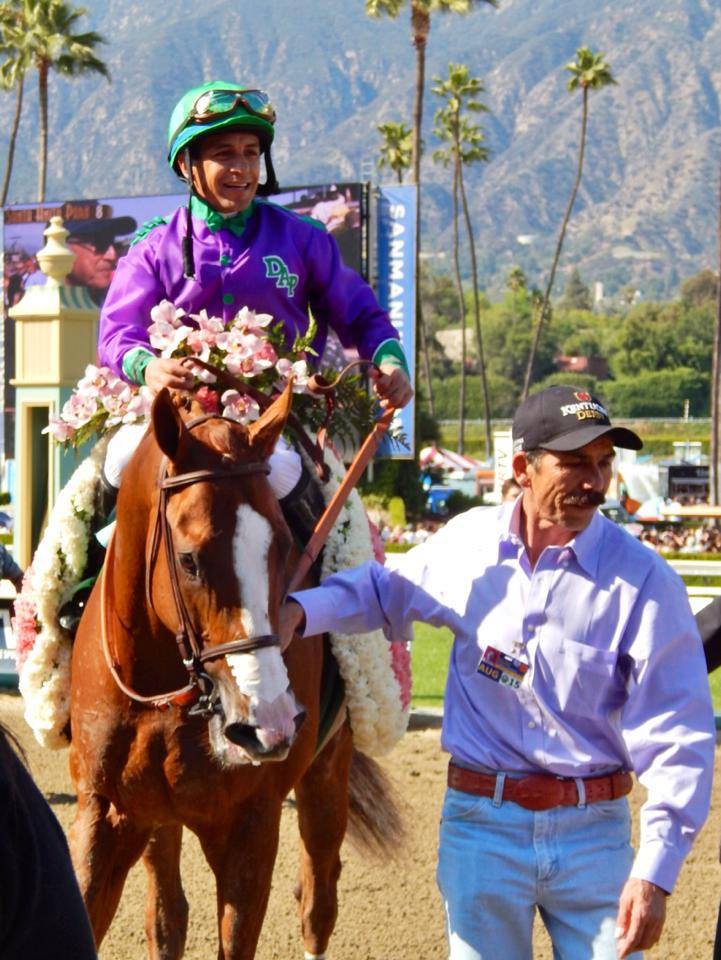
[216, 221]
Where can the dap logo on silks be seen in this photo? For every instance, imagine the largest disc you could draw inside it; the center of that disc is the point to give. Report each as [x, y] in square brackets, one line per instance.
[276, 269]
[502, 668]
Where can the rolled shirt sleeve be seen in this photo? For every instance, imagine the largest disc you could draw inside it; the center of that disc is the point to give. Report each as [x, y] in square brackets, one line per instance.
[668, 727]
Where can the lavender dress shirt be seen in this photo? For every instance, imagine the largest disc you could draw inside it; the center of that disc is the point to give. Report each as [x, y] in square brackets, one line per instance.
[616, 675]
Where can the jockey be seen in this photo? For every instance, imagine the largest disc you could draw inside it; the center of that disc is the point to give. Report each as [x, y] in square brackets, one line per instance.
[229, 248]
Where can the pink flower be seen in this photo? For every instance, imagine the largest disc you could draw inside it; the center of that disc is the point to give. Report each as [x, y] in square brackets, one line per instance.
[167, 313]
[208, 399]
[251, 357]
[94, 381]
[401, 665]
[59, 429]
[79, 409]
[25, 624]
[204, 338]
[250, 321]
[239, 406]
[166, 337]
[139, 406]
[298, 370]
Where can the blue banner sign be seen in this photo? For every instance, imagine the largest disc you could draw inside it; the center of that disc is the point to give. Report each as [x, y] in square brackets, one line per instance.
[396, 288]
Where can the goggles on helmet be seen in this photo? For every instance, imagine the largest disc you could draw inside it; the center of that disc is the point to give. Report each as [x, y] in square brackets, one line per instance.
[214, 104]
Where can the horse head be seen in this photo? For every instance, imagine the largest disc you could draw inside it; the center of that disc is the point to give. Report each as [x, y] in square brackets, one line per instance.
[230, 548]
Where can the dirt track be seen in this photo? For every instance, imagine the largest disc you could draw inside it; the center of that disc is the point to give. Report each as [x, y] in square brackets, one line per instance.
[387, 911]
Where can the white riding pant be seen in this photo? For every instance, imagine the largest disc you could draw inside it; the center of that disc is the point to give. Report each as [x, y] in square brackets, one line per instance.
[285, 462]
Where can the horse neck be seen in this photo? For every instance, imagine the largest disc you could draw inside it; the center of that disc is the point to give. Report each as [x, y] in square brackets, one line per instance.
[128, 557]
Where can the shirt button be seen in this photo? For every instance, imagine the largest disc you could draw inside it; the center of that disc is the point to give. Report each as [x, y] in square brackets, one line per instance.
[531, 724]
[228, 298]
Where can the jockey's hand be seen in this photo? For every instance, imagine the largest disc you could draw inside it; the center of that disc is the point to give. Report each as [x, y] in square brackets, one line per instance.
[641, 915]
[391, 385]
[165, 372]
[290, 623]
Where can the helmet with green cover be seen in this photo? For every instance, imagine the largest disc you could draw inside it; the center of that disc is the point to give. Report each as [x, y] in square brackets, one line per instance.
[215, 106]
[207, 109]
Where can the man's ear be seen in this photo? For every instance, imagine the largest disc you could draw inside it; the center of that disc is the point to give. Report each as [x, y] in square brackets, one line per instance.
[521, 467]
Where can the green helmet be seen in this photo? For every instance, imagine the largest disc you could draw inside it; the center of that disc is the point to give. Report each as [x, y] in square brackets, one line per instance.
[215, 106]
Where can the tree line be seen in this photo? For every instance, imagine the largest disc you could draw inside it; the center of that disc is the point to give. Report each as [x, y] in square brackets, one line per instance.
[658, 354]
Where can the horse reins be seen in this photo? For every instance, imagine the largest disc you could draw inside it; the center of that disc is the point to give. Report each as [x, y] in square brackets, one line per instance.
[200, 687]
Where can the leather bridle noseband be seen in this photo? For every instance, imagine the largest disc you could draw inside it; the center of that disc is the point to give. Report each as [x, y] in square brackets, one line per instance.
[200, 690]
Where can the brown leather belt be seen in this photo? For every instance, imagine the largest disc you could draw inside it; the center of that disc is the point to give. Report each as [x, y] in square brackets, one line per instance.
[541, 791]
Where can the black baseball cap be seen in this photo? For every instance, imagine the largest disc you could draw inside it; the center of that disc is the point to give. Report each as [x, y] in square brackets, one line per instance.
[566, 418]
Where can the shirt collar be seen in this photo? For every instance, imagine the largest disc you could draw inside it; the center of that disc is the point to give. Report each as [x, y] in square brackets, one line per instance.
[584, 545]
[215, 221]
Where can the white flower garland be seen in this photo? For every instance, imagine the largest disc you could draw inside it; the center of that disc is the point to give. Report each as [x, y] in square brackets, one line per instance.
[377, 717]
[58, 565]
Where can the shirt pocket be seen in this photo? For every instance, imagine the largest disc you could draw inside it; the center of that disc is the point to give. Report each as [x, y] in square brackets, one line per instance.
[579, 677]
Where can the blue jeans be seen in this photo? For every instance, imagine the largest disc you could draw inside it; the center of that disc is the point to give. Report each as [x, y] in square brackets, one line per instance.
[496, 864]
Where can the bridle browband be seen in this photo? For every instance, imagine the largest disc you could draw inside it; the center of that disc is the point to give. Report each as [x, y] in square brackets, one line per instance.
[200, 689]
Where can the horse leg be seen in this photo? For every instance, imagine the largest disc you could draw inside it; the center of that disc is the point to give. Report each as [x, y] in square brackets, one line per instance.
[104, 845]
[242, 859]
[322, 802]
[166, 911]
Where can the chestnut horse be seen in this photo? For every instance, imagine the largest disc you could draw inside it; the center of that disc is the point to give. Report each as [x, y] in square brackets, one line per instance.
[208, 549]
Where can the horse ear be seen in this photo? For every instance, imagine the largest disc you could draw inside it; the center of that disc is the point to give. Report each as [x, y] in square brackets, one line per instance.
[264, 432]
[167, 425]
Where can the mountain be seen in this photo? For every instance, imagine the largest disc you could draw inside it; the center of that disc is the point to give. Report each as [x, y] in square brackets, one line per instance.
[646, 212]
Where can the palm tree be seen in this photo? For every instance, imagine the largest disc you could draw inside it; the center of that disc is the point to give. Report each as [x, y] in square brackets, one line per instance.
[420, 29]
[50, 44]
[589, 71]
[465, 146]
[396, 148]
[715, 451]
[14, 65]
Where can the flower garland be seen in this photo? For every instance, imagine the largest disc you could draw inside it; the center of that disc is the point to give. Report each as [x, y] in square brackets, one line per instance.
[252, 347]
[58, 564]
[376, 672]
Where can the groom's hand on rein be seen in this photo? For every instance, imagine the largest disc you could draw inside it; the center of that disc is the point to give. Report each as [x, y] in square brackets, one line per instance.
[165, 372]
[291, 622]
[391, 385]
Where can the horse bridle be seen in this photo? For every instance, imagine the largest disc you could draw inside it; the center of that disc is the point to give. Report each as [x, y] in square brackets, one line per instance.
[200, 690]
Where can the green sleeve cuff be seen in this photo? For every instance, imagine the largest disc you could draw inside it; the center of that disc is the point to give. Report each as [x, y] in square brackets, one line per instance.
[391, 352]
[134, 363]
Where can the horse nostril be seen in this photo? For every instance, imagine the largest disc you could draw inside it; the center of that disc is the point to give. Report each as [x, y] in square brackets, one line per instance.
[242, 735]
[299, 719]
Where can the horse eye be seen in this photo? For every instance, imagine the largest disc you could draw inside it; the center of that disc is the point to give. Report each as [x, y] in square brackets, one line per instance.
[189, 564]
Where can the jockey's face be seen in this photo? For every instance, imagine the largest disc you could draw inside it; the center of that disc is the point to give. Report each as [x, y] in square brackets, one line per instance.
[227, 169]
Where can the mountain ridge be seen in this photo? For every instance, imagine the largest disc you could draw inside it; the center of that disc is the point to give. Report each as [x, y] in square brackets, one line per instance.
[646, 210]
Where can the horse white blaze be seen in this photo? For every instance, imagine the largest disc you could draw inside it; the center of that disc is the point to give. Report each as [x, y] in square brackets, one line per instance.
[261, 676]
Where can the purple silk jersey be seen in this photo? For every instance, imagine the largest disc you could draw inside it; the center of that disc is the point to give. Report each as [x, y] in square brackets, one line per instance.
[280, 264]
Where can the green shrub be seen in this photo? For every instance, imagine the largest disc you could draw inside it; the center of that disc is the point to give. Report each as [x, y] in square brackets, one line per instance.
[459, 502]
[397, 512]
[397, 478]
[4, 499]
[658, 393]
